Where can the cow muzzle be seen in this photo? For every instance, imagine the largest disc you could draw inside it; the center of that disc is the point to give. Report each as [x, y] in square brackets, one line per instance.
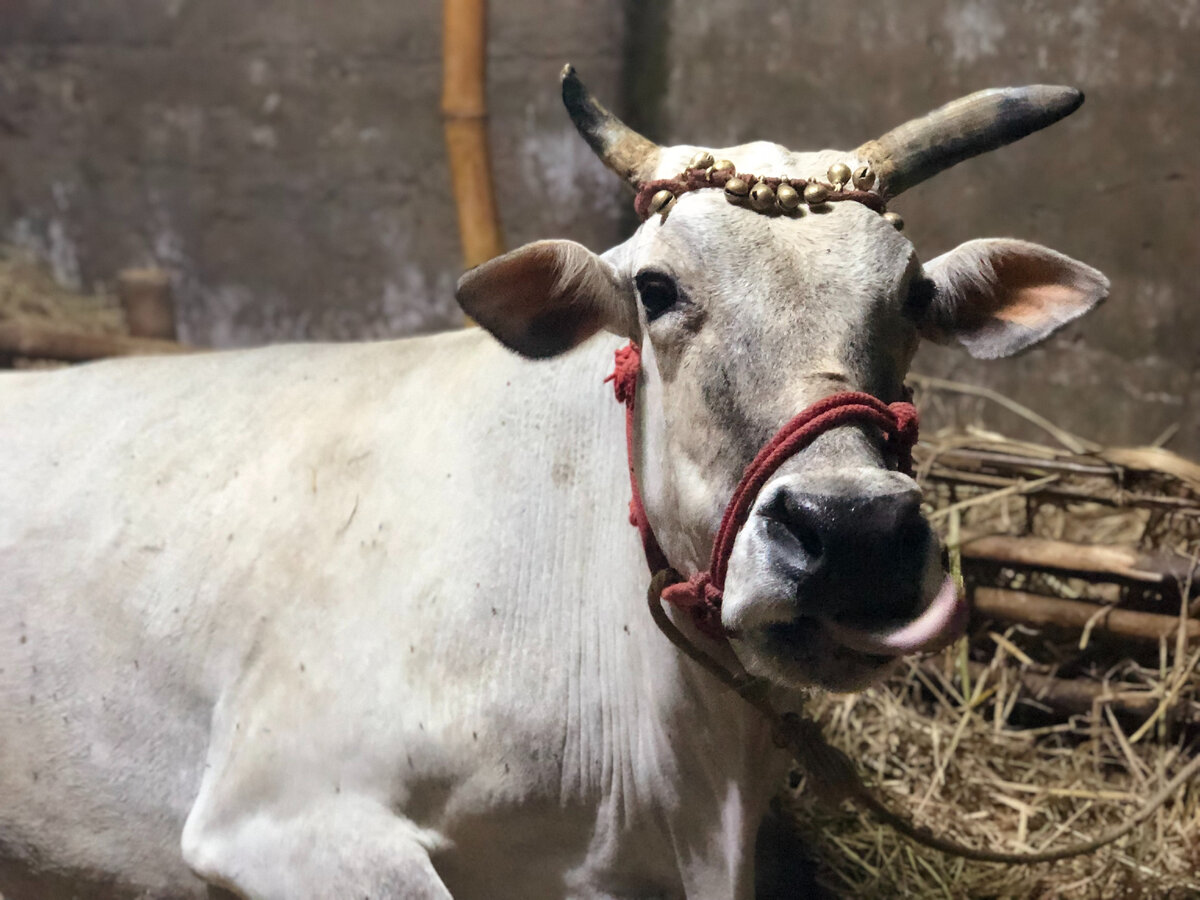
[833, 578]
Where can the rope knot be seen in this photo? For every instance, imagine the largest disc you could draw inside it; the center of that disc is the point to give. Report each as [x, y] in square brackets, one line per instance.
[700, 597]
[628, 363]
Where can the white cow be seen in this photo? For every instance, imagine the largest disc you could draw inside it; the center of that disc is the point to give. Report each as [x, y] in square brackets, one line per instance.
[369, 620]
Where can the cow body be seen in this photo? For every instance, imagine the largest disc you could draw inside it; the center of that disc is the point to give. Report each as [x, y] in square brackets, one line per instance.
[312, 602]
[369, 621]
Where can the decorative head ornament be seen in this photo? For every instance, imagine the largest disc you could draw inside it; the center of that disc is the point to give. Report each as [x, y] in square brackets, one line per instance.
[784, 195]
[889, 165]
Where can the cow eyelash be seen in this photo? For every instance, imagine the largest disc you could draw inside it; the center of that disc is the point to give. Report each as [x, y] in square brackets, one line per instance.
[658, 292]
[921, 292]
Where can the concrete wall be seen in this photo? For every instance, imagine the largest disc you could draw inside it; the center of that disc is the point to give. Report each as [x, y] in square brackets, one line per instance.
[285, 158]
[1113, 185]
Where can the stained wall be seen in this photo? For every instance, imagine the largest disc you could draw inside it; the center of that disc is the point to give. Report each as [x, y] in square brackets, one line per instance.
[1113, 185]
[284, 158]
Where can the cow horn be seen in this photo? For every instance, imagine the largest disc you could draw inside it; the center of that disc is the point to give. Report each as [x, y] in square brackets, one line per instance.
[622, 149]
[983, 121]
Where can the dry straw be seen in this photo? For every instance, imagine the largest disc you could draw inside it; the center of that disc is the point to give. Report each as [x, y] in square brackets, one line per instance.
[1024, 738]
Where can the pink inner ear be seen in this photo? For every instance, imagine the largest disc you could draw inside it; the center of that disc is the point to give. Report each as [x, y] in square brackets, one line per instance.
[1033, 305]
[1036, 290]
[999, 296]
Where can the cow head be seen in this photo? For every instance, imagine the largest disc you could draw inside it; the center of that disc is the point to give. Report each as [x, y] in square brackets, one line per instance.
[744, 318]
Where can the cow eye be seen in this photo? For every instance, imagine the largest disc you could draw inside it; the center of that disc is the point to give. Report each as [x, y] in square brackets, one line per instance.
[920, 297]
[658, 292]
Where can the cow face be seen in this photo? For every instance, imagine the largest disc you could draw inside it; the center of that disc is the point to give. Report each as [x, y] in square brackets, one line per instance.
[744, 319]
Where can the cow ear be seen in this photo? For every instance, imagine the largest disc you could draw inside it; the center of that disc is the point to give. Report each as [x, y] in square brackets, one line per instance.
[546, 297]
[998, 297]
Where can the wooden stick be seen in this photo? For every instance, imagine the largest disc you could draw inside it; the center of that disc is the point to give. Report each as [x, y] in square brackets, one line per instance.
[1113, 497]
[1096, 561]
[1015, 487]
[1034, 609]
[1072, 696]
[969, 457]
[464, 116]
[145, 296]
[1064, 437]
[40, 342]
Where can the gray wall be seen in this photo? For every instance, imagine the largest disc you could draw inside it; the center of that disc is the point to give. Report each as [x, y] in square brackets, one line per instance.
[1114, 185]
[285, 158]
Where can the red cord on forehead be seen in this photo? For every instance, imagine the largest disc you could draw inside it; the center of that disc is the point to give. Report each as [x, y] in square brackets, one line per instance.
[702, 593]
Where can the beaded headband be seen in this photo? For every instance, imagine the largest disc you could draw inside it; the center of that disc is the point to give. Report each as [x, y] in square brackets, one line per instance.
[787, 196]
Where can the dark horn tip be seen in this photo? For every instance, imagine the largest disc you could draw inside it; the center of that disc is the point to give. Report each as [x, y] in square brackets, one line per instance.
[574, 94]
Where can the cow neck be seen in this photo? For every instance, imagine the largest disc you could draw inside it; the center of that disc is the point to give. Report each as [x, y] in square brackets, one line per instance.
[701, 594]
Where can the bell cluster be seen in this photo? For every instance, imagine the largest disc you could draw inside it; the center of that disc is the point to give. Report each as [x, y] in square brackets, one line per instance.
[787, 195]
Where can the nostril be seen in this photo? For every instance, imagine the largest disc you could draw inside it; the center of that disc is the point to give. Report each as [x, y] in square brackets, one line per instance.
[799, 535]
[807, 536]
[798, 525]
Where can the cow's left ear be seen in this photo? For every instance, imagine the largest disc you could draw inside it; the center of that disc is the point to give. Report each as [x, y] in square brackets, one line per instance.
[546, 297]
[998, 297]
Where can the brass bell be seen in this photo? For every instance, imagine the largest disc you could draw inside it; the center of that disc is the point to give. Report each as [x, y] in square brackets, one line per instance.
[864, 178]
[815, 194]
[762, 196]
[736, 188]
[787, 196]
[894, 220]
[839, 173]
[702, 160]
[661, 202]
[723, 165]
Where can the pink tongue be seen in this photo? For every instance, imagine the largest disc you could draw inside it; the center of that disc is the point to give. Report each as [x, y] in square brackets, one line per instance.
[939, 625]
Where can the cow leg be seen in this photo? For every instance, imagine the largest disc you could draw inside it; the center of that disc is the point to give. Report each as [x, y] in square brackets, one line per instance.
[344, 847]
[783, 868]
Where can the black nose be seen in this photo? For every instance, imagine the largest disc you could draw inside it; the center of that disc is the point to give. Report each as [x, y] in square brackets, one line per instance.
[857, 558]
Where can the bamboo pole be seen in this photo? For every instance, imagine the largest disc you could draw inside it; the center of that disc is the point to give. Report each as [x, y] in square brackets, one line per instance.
[1034, 609]
[40, 342]
[464, 115]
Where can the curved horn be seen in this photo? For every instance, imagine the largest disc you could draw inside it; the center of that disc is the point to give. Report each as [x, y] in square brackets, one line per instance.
[622, 149]
[983, 121]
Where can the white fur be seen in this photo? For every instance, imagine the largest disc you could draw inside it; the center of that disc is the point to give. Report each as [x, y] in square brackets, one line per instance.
[340, 621]
[347, 609]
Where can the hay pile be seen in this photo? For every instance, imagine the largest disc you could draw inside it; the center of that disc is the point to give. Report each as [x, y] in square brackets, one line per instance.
[1033, 737]
[29, 294]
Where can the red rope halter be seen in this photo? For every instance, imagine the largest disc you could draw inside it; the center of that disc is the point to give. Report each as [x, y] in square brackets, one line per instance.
[702, 593]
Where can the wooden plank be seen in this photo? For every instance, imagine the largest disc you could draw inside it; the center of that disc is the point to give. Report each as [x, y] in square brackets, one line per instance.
[1034, 609]
[145, 296]
[41, 342]
[1110, 497]
[1095, 561]
[1073, 696]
